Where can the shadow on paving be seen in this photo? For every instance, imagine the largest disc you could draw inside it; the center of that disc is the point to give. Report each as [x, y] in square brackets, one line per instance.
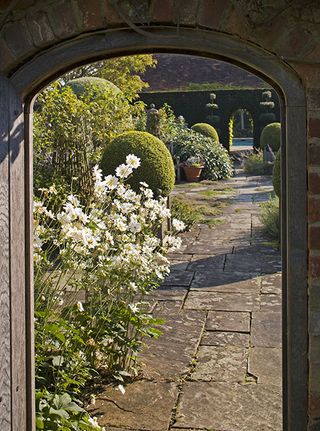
[217, 365]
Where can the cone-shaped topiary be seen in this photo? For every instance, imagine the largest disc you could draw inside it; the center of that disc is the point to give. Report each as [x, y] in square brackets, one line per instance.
[276, 174]
[81, 85]
[271, 135]
[206, 130]
[156, 167]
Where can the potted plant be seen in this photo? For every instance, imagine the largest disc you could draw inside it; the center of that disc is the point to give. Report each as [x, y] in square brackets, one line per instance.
[192, 168]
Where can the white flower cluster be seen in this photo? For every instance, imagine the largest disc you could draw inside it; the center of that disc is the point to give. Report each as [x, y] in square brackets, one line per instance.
[111, 242]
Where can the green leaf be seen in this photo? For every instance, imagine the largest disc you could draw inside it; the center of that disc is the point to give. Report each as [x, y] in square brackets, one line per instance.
[61, 413]
[65, 400]
[39, 423]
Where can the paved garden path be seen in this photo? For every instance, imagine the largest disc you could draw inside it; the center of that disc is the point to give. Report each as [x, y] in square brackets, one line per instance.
[217, 365]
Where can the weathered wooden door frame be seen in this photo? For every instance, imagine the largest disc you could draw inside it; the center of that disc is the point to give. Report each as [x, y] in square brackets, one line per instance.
[35, 74]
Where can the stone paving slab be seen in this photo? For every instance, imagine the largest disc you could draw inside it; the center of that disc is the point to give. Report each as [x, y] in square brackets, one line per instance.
[180, 265]
[178, 278]
[266, 329]
[220, 364]
[228, 321]
[144, 406]
[209, 247]
[173, 293]
[222, 301]
[170, 356]
[271, 284]
[252, 263]
[257, 250]
[230, 407]
[201, 262]
[271, 303]
[265, 364]
[219, 281]
[217, 338]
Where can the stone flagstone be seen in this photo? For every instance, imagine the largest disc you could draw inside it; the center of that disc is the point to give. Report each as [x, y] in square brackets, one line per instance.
[222, 406]
[234, 321]
[265, 364]
[218, 281]
[216, 338]
[220, 364]
[144, 406]
[271, 284]
[266, 329]
[225, 301]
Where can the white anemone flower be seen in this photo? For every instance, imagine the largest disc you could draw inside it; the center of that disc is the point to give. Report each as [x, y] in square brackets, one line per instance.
[97, 173]
[135, 227]
[111, 181]
[123, 171]
[80, 306]
[148, 193]
[134, 308]
[133, 161]
[73, 200]
[178, 225]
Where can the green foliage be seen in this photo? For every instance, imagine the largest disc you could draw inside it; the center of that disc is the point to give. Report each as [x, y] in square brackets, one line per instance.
[185, 211]
[270, 217]
[60, 412]
[169, 125]
[276, 176]
[189, 143]
[89, 84]
[271, 135]
[206, 130]
[254, 164]
[106, 254]
[124, 72]
[156, 168]
[59, 342]
[231, 123]
[70, 130]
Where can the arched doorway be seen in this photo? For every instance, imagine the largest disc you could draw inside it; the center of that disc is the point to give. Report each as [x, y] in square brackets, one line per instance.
[18, 93]
[242, 127]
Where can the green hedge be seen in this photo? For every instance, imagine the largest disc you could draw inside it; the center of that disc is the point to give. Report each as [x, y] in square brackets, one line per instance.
[271, 135]
[206, 130]
[156, 167]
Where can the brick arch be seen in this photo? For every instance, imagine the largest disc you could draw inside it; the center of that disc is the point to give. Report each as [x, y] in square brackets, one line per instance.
[17, 92]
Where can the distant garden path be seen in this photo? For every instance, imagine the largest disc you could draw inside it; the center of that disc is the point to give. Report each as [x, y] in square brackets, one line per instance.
[217, 365]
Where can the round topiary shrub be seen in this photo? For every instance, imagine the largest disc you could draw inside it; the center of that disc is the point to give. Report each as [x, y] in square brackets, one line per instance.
[276, 180]
[156, 168]
[206, 130]
[271, 135]
[89, 83]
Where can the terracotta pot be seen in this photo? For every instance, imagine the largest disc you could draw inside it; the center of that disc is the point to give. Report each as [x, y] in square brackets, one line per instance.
[192, 173]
